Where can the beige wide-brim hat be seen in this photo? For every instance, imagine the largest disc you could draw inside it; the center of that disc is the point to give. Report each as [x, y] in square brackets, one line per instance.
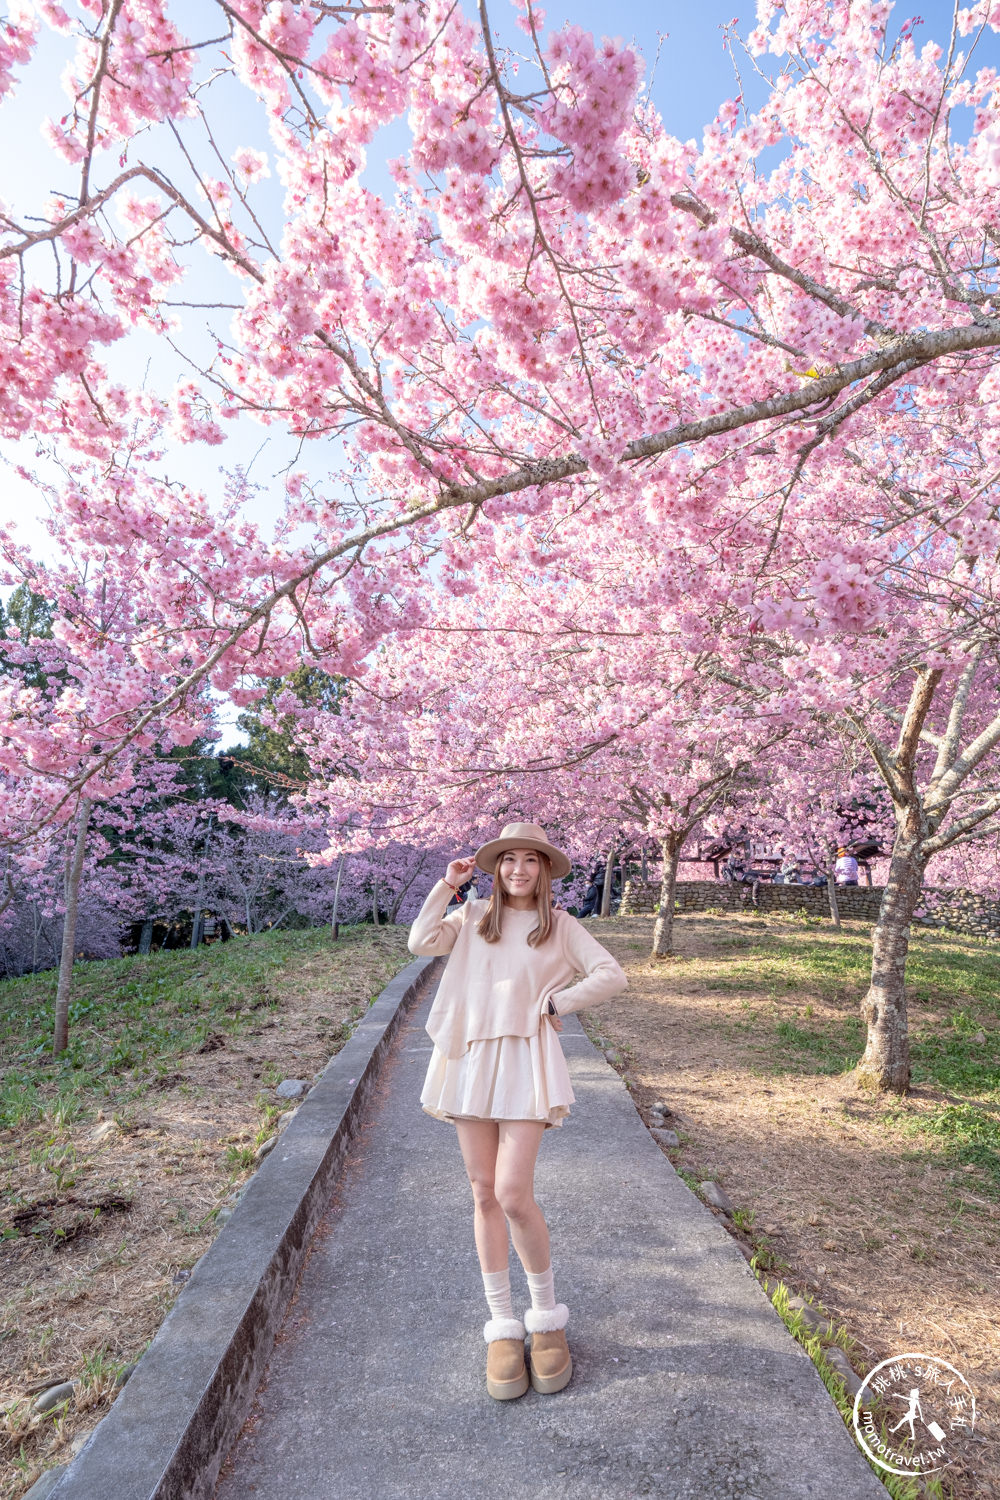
[522, 836]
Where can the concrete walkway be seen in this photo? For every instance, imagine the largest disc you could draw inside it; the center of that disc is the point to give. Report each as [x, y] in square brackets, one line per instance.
[686, 1382]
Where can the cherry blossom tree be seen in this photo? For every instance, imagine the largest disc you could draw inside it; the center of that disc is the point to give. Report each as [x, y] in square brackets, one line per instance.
[818, 793]
[937, 758]
[62, 695]
[32, 907]
[769, 362]
[576, 703]
[480, 344]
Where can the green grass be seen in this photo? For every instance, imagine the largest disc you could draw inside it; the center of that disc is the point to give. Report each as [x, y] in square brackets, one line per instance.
[937, 966]
[899, 1487]
[957, 979]
[953, 1001]
[130, 1019]
[833, 1050]
[968, 1134]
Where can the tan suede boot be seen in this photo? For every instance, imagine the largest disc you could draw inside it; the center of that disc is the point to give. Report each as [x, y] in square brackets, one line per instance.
[506, 1375]
[551, 1364]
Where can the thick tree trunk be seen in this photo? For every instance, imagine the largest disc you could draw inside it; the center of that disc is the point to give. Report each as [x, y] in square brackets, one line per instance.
[886, 1061]
[663, 932]
[61, 1036]
[831, 891]
[336, 899]
[609, 870]
[146, 938]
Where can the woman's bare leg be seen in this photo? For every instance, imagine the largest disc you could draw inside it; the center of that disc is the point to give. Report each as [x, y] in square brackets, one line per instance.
[479, 1141]
[514, 1187]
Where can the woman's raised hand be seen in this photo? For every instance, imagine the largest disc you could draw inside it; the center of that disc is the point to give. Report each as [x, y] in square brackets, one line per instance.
[460, 870]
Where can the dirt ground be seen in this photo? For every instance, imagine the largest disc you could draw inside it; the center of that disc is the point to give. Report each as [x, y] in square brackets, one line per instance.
[893, 1241]
[83, 1292]
[834, 1192]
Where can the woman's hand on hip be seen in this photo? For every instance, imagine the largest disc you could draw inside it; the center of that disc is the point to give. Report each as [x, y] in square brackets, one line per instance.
[554, 1021]
[460, 870]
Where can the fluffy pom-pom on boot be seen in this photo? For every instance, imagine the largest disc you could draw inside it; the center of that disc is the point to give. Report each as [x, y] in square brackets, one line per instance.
[506, 1372]
[551, 1364]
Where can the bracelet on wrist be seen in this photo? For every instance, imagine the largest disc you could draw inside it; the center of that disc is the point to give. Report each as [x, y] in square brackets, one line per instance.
[450, 886]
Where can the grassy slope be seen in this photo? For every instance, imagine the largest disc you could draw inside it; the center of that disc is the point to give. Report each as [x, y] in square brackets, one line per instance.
[118, 1156]
[953, 998]
[782, 993]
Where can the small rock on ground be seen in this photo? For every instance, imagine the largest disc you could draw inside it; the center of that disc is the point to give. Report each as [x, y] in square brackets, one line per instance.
[292, 1088]
[668, 1138]
[54, 1395]
[265, 1148]
[713, 1194]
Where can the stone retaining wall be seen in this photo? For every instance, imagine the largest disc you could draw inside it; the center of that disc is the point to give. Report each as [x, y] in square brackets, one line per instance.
[960, 911]
[857, 903]
[953, 911]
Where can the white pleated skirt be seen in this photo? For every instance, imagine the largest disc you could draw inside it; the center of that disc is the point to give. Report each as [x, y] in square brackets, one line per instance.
[501, 1078]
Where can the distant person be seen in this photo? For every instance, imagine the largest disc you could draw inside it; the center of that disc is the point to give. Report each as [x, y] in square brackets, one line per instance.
[498, 1072]
[734, 869]
[592, 895]
[789, 872]
[845, 871]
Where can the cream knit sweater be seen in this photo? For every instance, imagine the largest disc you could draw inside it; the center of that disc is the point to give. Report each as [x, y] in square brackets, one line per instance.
[501, 989]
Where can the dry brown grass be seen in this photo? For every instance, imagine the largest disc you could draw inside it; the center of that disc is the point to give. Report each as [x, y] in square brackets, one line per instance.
[81, 1296]
[879, 1223]
[884, 1225]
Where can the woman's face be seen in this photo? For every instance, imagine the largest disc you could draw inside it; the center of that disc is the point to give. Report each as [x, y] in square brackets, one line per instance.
[518, 870]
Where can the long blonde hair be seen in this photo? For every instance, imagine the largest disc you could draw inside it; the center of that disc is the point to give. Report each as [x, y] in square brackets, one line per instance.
[490, 924]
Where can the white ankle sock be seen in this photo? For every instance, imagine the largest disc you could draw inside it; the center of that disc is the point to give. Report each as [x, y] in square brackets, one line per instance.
[542, 1289]
[497, 1285]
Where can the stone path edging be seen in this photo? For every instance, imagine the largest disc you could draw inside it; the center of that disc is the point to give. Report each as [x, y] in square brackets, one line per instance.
[169, 1430]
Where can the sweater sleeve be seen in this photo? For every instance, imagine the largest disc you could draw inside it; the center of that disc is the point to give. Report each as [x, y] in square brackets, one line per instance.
[603, 975]
[432, 933]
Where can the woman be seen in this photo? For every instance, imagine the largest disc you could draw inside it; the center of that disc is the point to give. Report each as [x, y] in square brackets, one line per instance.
[498, 1072]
